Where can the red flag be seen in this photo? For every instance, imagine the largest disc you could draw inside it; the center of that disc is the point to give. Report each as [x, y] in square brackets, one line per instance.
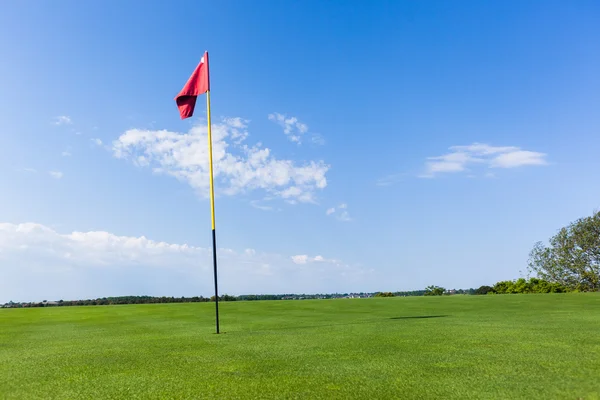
[199, 83]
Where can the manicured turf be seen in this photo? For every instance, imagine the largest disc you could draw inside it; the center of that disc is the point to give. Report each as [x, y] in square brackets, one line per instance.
[501, 347]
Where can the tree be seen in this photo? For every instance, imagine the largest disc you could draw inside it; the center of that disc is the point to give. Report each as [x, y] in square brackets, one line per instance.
[384, 294]
[434, 290]
[572, 258]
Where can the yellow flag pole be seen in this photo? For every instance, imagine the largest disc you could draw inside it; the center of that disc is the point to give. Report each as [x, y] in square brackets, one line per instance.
[212, 208]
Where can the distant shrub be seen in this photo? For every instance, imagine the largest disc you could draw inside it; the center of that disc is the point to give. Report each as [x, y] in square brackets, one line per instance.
[533, 285]
[504, 287]
[224, 297]
[484, 290]
[384, 294]
[434, 290]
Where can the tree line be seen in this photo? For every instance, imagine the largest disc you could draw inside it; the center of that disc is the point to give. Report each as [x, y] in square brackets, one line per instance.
[200, 299]
[104, 301]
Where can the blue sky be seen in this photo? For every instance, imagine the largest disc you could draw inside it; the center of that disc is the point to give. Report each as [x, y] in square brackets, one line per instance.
[359, 146]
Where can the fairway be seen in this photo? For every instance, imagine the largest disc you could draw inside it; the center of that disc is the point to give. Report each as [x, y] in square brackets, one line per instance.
[501, 347]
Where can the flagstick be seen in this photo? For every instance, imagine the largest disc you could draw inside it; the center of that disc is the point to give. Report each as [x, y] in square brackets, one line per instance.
[212, 209]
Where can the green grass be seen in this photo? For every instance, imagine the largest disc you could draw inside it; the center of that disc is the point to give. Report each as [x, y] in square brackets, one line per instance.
[500, 347]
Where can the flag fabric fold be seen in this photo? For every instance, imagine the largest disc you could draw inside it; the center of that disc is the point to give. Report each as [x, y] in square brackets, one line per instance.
[199, 83]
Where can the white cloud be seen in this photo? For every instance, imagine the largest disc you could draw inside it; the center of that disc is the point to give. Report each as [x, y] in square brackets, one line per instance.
[96, 141]
[340, 213]
[62, 120]
[238, 167]
[30, 170]
[461, 158]
[65, 154]
[56, 174]
[37, 262]
[291, 192]
[292, 127]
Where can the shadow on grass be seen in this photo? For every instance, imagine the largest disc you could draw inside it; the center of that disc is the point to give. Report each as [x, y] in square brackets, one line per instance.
[421, 317]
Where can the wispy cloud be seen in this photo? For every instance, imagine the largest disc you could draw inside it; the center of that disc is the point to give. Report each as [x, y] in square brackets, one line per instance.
[292, 127]
[260, 205]
[105, 264]
[340, 212]
[96, 141]
[30, 170]
[62, 120]
[66, 153]
[317, 139]
[390, 179]
[239, 168]
[462, 158]
[56, 174]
